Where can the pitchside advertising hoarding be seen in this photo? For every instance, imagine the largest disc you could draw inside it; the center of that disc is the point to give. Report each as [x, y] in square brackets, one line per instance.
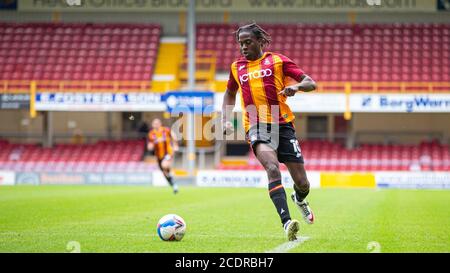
[258, 179]
[138, 101]
[7, 178]
[14, 101]
[195, 102]
[251, 179]
[377, 103]
[413, 180]
[178, 101]
[402, 103]
[208, 101]
[399, 180]
[229, 5]
[57, 178]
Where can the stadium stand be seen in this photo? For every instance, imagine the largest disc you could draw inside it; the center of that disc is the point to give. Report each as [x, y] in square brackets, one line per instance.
[328, 156]
[86, 52]
[348, 52]
[122, 156]
[78, 52]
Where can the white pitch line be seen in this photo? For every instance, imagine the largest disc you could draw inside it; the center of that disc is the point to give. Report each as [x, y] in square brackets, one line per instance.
[284, 248]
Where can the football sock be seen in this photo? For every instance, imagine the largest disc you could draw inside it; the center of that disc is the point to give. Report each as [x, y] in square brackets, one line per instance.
[278, 196]
[301, 193]
[170, 180]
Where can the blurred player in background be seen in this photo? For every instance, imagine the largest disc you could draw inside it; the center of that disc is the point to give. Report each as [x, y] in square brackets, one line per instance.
[268, 120]
[163, 142]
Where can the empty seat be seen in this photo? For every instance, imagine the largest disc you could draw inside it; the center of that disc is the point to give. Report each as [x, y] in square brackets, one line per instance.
[49, 45]
[326, 156]
[375, 45]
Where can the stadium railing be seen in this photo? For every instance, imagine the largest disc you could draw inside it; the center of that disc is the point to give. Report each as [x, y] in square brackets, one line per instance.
[24, 86]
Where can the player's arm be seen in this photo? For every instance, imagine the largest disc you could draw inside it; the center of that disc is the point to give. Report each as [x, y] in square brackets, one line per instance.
[229, 101]
[150, 146]
[174, 141]
[306, 84]
[150, 143]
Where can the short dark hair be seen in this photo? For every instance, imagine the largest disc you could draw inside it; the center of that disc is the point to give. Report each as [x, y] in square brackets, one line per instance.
[258, 31]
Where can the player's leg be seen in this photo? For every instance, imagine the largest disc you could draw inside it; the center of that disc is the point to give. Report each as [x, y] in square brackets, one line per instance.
[301, 190]
[289, 152]
[268, 159]
[166, 165]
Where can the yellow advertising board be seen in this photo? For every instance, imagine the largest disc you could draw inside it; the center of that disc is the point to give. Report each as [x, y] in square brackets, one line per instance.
[347, 180]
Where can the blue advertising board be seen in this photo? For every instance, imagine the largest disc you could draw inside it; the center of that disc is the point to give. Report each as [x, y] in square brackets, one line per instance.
[197, 102]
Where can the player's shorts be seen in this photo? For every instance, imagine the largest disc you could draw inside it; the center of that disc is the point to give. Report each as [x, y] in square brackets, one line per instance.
[165, 157]
[280, 138]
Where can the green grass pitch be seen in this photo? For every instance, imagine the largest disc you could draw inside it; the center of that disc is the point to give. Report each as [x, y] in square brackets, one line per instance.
[232, 220]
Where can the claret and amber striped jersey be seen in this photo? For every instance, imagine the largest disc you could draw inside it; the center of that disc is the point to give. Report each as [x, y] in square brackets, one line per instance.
[162, 140]
[259, 82]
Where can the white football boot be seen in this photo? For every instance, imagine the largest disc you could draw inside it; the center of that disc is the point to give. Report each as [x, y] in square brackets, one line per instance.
[291, 228]
[304, 208]
[175, 188]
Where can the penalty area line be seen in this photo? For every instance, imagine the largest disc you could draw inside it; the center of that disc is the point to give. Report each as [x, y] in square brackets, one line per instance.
[286, 247]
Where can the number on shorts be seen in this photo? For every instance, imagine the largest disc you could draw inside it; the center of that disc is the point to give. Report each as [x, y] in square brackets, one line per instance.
[296, 147]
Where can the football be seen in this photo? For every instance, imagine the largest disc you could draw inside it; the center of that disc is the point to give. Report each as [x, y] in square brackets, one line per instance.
[171, 227]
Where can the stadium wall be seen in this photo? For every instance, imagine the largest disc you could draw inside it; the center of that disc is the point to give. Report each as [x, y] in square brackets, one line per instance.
[65, 125]
[94, 123]
[171, 21]
[410, 128]
[18, 122]
[399, 128]
[258, 179]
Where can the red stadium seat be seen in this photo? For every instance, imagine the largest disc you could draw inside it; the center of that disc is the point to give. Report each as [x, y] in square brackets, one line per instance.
[70, 44]
[327, 156]
[391, 49]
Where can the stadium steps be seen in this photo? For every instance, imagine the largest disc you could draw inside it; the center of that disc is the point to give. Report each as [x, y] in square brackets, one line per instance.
[205, 69]
[170, 55]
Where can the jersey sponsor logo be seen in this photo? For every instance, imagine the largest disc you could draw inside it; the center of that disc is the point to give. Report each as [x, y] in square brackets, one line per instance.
[255, 75]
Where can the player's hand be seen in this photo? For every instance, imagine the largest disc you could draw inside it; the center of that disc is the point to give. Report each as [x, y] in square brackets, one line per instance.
[289, 91]
[150, 147]
[176, 148]
[228, 128]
